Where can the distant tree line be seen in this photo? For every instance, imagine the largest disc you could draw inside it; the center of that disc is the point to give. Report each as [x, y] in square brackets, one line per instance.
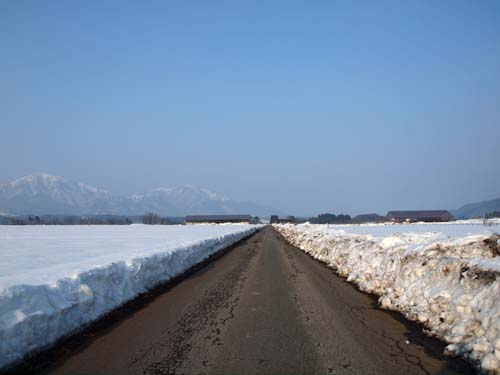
[148, 218]
[65, 220]
[155, 219]
[330, 219]
[491, 215]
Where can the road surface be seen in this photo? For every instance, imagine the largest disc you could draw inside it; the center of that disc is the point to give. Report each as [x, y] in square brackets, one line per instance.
[264, 307]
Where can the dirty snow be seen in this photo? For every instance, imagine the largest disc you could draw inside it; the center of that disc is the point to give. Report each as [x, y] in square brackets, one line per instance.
[56, 279]
[445, 276]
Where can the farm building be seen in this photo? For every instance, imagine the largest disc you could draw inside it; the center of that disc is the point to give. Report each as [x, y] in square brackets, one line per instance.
[198, 219]
[275, 219]
[414, 216]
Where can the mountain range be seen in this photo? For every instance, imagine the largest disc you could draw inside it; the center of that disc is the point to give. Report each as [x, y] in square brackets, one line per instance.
[43, 193]
[478, 209]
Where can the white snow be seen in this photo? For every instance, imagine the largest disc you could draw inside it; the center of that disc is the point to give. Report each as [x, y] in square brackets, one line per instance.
[56, 279]
[446, 276]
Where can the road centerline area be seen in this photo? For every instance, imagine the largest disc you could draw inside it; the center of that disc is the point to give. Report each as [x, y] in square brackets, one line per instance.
[265, 307]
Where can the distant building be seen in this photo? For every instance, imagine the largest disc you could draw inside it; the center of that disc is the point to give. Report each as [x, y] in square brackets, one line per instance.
[218, 219]
[275, 219]
[414, 216]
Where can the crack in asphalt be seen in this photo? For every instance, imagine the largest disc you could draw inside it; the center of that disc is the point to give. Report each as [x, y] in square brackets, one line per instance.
[174, 346]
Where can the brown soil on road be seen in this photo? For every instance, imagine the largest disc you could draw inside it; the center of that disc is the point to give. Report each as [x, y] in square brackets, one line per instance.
[265, 307]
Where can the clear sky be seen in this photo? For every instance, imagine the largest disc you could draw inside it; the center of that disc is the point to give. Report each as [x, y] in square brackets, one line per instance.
[306, 106]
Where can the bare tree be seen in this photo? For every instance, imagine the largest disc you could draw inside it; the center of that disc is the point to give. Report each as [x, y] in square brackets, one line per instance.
[150, 218]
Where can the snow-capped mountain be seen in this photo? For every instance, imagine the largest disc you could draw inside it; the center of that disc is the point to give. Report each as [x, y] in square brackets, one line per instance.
[180, 199]
[46, 194]
[188, 200]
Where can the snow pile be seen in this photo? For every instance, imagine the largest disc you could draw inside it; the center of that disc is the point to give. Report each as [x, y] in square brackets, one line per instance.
[56, 279]
[444, 276]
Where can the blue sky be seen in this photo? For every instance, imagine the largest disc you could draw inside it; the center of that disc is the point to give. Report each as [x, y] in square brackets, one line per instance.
[339, 106]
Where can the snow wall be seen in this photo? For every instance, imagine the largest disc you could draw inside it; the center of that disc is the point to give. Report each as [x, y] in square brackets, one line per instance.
[449, 284]
[33, 317]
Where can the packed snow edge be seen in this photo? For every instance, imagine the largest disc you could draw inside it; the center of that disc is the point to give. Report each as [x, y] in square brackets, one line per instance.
[450, 284]
[33, 317]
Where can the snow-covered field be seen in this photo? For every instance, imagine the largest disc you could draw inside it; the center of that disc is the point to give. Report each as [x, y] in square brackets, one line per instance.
[446, 276]
[56, 279]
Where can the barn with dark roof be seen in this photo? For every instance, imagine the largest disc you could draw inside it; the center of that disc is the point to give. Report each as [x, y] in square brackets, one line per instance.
[414, 216]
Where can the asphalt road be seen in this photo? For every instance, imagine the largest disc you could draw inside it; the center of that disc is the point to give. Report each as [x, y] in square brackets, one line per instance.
[264, 307]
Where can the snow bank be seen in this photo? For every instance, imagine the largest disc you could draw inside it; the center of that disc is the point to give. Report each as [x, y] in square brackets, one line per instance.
[56, 279]
[446, 276]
